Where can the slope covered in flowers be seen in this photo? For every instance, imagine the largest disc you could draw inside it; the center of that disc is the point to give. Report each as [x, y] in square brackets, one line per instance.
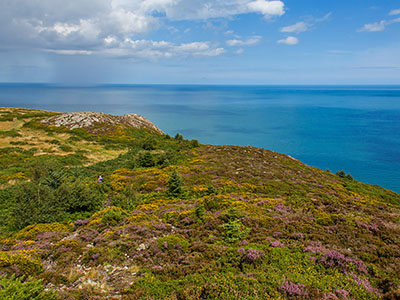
[173, 219]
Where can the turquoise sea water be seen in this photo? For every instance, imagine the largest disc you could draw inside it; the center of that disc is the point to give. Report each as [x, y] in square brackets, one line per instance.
[355, 128]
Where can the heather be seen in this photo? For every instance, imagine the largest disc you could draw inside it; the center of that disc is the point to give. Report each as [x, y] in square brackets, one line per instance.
[174, 219]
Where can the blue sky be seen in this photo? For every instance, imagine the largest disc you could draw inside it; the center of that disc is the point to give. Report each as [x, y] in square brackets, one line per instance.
[200, 42]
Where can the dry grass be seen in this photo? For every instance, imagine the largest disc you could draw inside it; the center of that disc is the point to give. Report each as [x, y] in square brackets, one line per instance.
[41, 140]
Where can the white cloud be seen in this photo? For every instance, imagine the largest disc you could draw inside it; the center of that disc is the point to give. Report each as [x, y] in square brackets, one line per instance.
[374, 27]
[71, 52]
[378, 26]
[302, 26]
[131, 22]
[105, 26]
[249, 42]
[324, 18]
[239, 51]
[394, 12]
[153, 50]
[290, 40]
[296, 28]
[267, 8]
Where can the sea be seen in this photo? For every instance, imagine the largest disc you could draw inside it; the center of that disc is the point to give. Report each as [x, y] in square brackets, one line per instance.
[350, 128]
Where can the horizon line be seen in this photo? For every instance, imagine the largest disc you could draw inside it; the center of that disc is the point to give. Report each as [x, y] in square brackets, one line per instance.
[57, 84]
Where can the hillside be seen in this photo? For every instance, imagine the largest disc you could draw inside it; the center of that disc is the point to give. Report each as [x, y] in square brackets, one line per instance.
[174, 219]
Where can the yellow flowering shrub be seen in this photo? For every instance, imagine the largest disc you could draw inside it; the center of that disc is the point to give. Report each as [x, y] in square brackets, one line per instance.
[150, 185]
[33, 230]
[8, 242]
[27, 261]
[138, 217]
[145, 207]
[120, 178]
[199, 188]
[16, 176]
[73, 244]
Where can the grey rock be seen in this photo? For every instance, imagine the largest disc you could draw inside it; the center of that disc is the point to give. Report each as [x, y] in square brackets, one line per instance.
[89, 120]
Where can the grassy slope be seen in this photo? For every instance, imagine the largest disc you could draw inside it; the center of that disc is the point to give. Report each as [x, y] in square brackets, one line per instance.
[249, 224]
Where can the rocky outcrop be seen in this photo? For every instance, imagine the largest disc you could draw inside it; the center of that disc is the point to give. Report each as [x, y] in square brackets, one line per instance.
[90, 120]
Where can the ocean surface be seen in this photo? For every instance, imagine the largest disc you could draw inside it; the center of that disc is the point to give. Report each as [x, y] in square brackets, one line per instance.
[355, 128]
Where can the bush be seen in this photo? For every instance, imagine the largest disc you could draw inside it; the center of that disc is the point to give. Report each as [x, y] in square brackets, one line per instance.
[194, 143]
[113, 216]
[21, 263]
[171, 241]
[79, 197]
[200, 212]
[233, 231]
[34, 204]
[179, 137]
[51, 201]
[146, 160]
[149, 144]
[20, 289]
[341, 173]
[175, 185]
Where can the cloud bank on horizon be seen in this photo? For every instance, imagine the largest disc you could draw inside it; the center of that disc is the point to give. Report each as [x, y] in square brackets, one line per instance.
[254, 33]
[111, 27]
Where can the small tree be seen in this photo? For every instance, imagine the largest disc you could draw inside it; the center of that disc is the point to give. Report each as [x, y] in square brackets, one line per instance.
[149, 144]
[175, 185]
[179, 137]
[233, 231]
[194, 143]
[341, 173]
[146, 160]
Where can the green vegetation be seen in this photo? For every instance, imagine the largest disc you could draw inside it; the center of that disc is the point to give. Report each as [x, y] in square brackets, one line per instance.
[175, 185]
[173, 219]
[18, 289]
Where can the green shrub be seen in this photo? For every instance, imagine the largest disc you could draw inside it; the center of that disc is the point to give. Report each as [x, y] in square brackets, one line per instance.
[200, 211]
[146, 160]
[194, 143]
[79, 196]
[20, 289]
[341, 173]
[149, 144]
[233, 231]
[34, 203]
[113, 216]
[179, 137]
[51, 200]
[172, 240]
[175, 185]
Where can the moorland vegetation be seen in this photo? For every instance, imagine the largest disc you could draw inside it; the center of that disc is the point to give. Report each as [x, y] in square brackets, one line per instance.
[174, 219]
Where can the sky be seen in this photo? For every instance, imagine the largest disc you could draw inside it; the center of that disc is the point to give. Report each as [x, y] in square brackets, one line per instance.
[200, 41]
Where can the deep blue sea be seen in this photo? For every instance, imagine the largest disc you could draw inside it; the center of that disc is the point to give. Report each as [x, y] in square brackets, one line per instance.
[355, 128]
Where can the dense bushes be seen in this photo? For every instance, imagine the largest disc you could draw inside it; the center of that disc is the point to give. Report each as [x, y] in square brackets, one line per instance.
[20, 289]
[52, 199]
